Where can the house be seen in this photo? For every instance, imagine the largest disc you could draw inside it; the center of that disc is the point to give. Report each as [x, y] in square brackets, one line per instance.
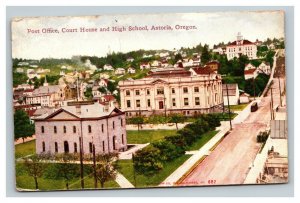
[171, 90]
[131, 70]
[62, 73]
[265, 68]
[32, 74]
[103, 82]
[23, 64]
[244, 98]
[218, 50]
[213, 65]
[130, 59]
[120, 71]
[156, 63]
[241, 47]
[20, 70]
[201, 71]
[79, 127]
[109, 100]
[249, 66]
[104, 76]
[250, 74]
[96, 93]
[108, 67]
[233, 94]
[145, 66]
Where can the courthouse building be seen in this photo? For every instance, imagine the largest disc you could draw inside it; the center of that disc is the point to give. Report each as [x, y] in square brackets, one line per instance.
[172, 90]
[93, 123]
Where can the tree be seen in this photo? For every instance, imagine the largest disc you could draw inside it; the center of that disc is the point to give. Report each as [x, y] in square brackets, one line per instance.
[106, 168]
[102, 90]
[138, 120]
[168, 150]
[65, 168]
[23, 127]
[35, 168]
[205, 56]
[177, 118]
[88, 93]
[111, 87]
[19, 78]
[147, 161]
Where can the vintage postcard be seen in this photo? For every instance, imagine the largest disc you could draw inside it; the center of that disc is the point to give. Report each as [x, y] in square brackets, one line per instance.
[152, 100]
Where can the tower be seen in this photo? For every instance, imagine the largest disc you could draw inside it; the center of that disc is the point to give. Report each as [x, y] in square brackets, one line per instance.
[45, 82]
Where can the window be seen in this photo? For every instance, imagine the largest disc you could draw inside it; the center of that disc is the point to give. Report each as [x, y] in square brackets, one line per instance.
[122, 138]
[137, 92]
[128, 103]
[75, 147]
[149, 103]
[114, 142]
[74, 129]
[91, 147]
[138, 103]
[42, 129]
[55, 129]
[196, 89]
[66, 147]
[103, 146]
[113, 124]
[65, 129]
[186, 101]
[148, 92]
[121, 122]
[173, 90]
[56, 147]
[43, 146]
[127, 93]
[90, 129]
[185, 90]
[197, 101]
[160, 91]
[173, 102]
[102, 127]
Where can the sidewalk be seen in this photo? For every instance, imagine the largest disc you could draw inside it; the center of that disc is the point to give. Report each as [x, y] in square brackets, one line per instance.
[20, 141]
[128, 154]
[123, 182]
[188, 164]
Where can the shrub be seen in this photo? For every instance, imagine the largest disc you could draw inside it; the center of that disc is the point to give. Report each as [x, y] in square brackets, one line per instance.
[168, 150]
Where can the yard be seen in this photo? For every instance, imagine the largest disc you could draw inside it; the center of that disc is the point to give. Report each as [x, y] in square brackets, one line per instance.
[239, 107]
[126, 168]
[202, 141]
[25, 149]
[24, 181]
[146, 136]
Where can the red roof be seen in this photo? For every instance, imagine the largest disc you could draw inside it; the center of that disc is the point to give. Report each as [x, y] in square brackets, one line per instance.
[28, 90]
[249, 72]
[109, 97]
[244, 42]
[203, 71]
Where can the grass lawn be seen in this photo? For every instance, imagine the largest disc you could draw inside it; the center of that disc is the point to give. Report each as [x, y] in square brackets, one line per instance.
[24, 181]
[239, 107]
[25, 149]
[202, 141]
[126, 168]
[145, 136]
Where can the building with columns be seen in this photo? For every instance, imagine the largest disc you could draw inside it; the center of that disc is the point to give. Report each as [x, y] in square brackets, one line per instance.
[172, 90]
[91, 123]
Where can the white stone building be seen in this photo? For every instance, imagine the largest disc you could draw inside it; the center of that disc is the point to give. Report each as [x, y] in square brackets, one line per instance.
[241, 47]
[91, 124]
[172, 90]
[120, 71]
[131, 70]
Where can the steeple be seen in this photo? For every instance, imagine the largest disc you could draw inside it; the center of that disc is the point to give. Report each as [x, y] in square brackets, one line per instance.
[45, 82]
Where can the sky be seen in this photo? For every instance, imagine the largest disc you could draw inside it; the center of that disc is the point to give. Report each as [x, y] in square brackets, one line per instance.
[211, 28]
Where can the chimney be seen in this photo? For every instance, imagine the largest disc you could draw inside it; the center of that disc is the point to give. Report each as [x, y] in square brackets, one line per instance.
[78, 109]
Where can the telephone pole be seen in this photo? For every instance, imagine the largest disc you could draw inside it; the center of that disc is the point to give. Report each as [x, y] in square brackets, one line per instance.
[272, 104]
[228, 107]
[94, 166]
[280, 92]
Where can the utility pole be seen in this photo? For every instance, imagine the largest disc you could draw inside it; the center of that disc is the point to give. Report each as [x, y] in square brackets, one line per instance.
[81, 163]
[253, 82]
[228, 107]
[280, 92]
[94, 166]
[271, 110]
[134, 175]
[272, 104]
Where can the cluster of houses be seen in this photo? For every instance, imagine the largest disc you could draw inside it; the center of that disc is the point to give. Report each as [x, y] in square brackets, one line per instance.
[65, 121]
[251, 71]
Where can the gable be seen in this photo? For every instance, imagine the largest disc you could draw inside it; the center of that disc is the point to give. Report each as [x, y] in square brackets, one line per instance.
[62, 115]
[158, 81]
